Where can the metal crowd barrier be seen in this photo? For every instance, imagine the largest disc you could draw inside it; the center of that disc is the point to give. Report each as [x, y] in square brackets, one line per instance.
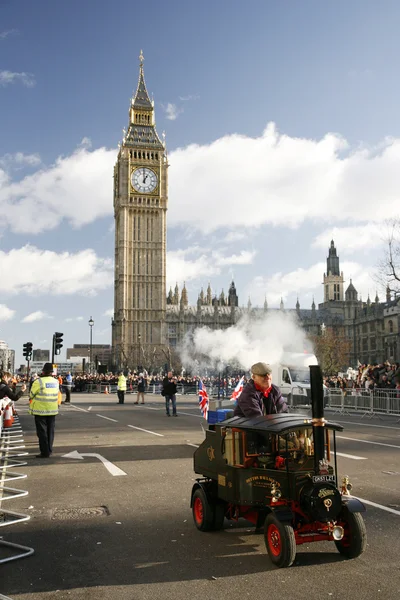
[11, 442]
[378, 401]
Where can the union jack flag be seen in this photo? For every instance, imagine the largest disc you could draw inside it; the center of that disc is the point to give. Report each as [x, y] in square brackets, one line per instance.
[238, 390]
[203, 399]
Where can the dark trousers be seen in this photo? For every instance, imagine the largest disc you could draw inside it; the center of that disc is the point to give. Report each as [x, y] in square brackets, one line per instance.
[173, 400]
[67, 393]
[45, 432]
[121, 396]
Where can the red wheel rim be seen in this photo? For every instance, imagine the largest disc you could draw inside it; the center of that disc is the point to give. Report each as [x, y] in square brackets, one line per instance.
[274, 540]
[198, 510]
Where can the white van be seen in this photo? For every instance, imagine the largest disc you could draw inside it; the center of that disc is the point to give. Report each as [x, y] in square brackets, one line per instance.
[292, 376]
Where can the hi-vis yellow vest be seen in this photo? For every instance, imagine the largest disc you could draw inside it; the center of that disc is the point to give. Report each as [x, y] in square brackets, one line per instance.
[121, 383]
[44, 397]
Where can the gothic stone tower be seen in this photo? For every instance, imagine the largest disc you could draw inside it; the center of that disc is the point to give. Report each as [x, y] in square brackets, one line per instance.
[140, 206]
[333, 279]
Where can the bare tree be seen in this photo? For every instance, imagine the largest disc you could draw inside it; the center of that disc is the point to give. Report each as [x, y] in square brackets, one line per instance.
[389, 266]
[332, 350]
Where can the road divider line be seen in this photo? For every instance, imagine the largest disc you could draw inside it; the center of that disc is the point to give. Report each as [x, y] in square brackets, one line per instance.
[193, 445]
[108, 418]
[351, 456]
[146, 430]
[369, 425]
[190, 415]
[342, 437]
[78, 408]
[386, 508]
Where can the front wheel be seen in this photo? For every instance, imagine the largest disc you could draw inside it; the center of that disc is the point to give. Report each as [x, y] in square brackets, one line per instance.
[203, 512]
[354, 541]
[279, 541]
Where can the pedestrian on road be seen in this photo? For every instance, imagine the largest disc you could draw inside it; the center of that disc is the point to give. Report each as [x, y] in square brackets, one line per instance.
[43, 404]
[169, 393]
[260, 396]
[68, 388]
[141, 386]
[6, 391]
[121, 388]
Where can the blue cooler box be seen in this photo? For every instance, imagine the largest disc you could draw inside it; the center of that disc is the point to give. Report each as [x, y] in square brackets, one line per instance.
[216, 416]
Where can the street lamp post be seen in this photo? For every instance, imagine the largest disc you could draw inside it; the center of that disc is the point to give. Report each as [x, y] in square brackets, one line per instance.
[91, 323]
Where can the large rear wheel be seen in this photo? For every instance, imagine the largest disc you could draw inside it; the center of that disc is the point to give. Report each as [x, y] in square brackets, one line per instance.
[279, 541]
[354, 541]
[203, 511]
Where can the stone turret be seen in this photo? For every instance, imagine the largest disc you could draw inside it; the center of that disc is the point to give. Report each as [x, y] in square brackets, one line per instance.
[176, 295]
[209, 296]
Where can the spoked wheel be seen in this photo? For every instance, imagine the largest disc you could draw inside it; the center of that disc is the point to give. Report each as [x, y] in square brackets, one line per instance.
[354, 541]
[279, 541]
[205, 514]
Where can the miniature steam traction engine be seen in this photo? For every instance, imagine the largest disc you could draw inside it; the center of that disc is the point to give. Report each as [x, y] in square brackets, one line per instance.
[279, 472]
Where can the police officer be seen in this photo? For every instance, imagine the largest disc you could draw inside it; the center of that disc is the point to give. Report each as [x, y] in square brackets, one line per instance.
[68, 387]
[43, 404]
[121, 388]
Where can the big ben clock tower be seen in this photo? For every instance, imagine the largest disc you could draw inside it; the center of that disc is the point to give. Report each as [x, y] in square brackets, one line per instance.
[140, 206]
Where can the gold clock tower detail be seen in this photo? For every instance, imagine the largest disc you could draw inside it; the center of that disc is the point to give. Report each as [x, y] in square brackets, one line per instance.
[140, 206]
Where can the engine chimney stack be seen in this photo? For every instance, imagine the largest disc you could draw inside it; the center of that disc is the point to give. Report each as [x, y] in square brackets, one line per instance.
[318, 421]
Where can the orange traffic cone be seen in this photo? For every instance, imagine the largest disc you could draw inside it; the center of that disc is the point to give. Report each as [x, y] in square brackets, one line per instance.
[8, 418]
[106, 390]
[14, 410]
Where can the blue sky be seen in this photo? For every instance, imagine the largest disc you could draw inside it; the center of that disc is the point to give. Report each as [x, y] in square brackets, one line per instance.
[256, 201]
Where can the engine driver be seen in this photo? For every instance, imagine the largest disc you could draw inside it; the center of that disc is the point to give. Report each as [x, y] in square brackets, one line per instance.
[260, 396]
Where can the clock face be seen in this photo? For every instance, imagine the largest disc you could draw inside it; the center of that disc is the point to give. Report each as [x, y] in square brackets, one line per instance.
[144, 180]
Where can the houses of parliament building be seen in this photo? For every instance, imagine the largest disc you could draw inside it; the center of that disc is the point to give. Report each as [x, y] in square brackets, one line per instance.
[148, 322]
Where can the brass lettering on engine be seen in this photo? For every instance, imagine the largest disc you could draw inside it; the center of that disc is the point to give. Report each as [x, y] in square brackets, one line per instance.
[262, 481]
[324, 492]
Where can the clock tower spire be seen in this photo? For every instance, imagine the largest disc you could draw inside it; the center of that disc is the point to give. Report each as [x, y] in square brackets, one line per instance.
[140, 206]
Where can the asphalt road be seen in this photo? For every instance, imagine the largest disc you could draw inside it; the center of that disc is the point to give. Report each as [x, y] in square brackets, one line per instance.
[99, 535]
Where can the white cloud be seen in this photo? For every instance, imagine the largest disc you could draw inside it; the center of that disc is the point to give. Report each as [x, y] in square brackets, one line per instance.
[77, 188]
[351, 240]
[244, 258]
[189, 97]
[277, 179]
[172, 111]
[6, 34]
[38, 315]
[180, 268]
[8, 78]
[19, 159]
[6, 314]
[43, 272]
[206, 263]
[73, 319]
[241, 181]
[234, 236]
[307, 282]
[109, 313]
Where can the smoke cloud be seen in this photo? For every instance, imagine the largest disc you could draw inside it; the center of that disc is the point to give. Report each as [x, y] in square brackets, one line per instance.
[267, 338]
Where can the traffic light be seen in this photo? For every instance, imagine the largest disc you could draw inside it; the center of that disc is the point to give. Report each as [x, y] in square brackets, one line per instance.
[58, 340]
[27, 350]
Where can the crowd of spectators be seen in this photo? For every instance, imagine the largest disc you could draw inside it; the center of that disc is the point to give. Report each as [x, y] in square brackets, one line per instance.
[369, 377]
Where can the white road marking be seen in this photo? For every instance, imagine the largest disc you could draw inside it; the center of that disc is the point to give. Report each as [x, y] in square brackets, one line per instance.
[90, 408]
[351, 456]
[193, 445]
[369, 425]
[108, 418]
[386, 508]
[111, 468]
[78, 408]
[367, 442]
[190, 415]
[146, 430]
